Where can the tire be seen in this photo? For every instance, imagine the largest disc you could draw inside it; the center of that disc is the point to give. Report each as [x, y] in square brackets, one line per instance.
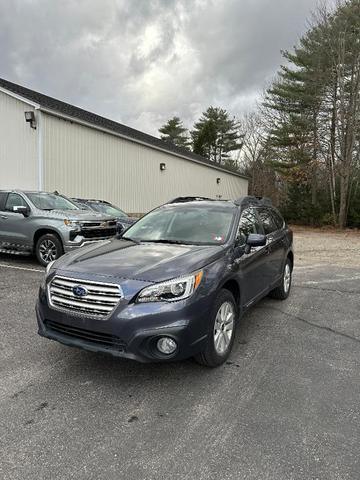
[48, 248]
[213, 355]
[283, 290]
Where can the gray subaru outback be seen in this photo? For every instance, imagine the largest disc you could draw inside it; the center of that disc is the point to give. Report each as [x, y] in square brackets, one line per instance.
[48, 224]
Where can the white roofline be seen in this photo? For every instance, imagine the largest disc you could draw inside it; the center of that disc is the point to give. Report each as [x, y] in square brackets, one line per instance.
[116, 134]
[131, 139]
[19, 97]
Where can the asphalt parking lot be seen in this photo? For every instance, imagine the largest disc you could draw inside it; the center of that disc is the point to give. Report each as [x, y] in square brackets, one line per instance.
[285, 406]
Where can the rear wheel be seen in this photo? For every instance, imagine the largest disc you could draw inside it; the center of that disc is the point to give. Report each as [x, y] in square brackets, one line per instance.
[48, 248]
[283, 290]
[221, 337]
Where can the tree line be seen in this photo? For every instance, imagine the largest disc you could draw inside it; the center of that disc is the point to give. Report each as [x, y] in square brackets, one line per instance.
[301, 145]
[214, 136]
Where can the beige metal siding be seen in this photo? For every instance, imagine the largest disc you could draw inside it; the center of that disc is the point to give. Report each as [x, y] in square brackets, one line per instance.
[84, 162]
[18, 146]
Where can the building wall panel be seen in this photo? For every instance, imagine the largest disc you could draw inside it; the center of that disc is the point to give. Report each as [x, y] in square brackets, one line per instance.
[83, 162]
[18, 146]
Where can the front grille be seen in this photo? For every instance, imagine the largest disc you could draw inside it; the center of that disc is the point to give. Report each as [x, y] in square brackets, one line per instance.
[98, 338]
[98, 233]
[105, 224]
[100, 299]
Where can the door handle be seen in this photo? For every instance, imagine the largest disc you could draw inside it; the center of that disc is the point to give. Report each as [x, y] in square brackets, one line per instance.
[4, 217]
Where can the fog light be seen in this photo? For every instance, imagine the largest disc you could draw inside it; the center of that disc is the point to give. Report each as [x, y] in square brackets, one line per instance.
[166, 345]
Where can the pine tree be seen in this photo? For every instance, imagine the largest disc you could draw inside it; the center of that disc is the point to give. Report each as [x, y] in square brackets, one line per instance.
[215, 135]
[315, 108]
[173, 131]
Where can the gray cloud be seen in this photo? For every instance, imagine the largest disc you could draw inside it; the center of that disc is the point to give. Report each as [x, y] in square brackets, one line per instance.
[142, 61]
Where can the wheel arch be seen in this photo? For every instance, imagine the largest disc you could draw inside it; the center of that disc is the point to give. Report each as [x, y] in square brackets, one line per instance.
[44, 231]
[232, 285]
[290, 256]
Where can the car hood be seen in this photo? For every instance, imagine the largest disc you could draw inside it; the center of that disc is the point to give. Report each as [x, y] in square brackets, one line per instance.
[127, 220]
[78, 215]
[150, 262]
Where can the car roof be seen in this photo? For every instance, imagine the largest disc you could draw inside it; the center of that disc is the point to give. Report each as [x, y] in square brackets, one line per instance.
[88, 200]
[17, 190]
[243, 202]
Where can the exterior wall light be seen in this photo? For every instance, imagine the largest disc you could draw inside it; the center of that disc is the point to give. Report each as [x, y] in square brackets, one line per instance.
[218, 180]
[162, 166]
[30, 118]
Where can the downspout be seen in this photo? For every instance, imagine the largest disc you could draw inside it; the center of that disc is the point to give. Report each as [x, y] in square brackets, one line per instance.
[40, 149]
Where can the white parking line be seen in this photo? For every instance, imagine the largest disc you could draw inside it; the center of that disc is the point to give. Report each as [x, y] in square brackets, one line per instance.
[21, 268]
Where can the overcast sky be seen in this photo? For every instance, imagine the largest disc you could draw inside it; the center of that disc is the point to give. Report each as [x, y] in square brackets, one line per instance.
[142, 61]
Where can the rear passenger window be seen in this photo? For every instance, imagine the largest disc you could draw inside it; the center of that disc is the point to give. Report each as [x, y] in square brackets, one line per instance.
[249, 223]
[14, 200]
[267, 220]
[277, 218]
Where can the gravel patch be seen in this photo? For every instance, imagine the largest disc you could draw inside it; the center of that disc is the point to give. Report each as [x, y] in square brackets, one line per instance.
[328, 247]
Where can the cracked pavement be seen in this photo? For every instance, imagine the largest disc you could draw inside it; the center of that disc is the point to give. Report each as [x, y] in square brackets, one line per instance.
[284, 407]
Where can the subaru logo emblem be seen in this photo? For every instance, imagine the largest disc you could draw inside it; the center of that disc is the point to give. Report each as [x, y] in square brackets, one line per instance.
[80, 291]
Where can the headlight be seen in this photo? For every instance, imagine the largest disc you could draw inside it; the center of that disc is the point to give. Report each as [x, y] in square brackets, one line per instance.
[71, 223]
[172, 290]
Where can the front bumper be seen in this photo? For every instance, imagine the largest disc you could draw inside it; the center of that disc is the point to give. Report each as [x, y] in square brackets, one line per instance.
[132, 330]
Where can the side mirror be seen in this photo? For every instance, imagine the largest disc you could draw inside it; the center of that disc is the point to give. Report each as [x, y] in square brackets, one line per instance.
[21, 209]
[256, 240]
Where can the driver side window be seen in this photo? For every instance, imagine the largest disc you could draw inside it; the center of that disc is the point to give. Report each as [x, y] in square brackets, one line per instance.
[249, 223]
[14, 200]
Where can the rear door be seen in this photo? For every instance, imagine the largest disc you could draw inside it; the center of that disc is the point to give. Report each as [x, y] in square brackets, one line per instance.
[14, 226]
[276, 244]
[251, 265]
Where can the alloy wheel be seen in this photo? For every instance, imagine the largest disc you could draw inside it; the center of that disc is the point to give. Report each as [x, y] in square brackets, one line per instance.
[48, 251]
[224, 327]
[287, 278]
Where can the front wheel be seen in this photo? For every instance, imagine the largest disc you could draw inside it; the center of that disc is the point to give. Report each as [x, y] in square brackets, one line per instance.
[221, 337]
[283, 290]
[48, 248]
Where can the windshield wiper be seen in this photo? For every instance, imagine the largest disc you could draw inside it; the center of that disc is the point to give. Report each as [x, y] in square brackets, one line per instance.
[172, 242]
[129, 239]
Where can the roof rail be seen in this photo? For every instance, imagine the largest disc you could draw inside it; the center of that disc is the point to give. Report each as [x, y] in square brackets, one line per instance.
[251, 200]
[189, 199]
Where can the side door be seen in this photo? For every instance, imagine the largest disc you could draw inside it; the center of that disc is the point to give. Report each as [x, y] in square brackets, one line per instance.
[273, 228]
[251, 265]
[14, 226]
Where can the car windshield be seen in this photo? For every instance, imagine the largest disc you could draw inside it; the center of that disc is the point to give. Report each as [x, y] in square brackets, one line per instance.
[107, 209]
[51, 201]
[185, 224]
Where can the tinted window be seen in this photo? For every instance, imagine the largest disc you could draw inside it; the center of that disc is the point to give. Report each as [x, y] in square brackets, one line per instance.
[249, 223]
[14, 200]
[184, 224]
[267, 220]
[277, 218]
[107, 209]
[2, 200]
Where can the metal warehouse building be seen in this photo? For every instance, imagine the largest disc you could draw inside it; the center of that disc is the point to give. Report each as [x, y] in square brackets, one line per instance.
[46, 144]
